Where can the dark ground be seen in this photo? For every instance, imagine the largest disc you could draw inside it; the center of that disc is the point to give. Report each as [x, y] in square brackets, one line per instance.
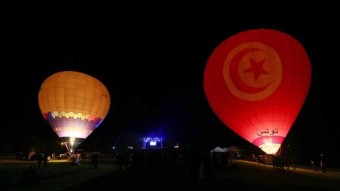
[248, 176]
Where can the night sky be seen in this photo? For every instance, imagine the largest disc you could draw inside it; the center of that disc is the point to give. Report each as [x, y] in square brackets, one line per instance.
[152, 57]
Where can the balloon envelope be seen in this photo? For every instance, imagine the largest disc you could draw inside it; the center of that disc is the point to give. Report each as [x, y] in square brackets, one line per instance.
[74, 104]
[256, 83]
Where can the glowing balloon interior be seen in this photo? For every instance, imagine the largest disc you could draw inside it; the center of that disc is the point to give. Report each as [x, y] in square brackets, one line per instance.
[74, 104]
[256, 83]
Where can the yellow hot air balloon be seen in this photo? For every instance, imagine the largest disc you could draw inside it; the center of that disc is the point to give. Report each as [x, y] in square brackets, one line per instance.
[74, 104]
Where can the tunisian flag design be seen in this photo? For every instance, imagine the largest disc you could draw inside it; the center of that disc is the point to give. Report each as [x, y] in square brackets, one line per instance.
[256, 83]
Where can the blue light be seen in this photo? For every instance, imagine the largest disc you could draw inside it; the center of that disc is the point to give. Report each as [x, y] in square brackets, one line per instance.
[154, 142]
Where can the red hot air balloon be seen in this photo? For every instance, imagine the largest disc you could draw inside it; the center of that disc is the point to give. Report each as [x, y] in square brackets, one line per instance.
[256, 83]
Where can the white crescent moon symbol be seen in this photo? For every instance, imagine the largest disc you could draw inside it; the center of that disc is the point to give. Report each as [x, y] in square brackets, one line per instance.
[238, 83]
[234, 73]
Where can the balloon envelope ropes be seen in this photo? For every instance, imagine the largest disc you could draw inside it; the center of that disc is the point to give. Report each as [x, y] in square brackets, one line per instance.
[74, 104]
[256, 82]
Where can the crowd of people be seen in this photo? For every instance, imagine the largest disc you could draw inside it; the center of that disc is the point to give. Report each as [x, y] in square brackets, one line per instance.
[199, 164]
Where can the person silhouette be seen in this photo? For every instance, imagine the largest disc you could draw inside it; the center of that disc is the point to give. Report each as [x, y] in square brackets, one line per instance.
[94, 160]
[30, 176]
[45, 159]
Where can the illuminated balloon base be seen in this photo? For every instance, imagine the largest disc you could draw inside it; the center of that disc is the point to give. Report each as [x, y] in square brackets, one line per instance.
[270, 148]
[269, 144]
[71, 143]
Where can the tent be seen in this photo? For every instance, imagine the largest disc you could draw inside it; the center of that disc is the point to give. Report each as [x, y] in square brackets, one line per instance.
[218, 150]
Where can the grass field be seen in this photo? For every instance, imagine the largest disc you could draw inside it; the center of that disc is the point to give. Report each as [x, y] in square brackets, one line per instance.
[250, 176]
[58, 175]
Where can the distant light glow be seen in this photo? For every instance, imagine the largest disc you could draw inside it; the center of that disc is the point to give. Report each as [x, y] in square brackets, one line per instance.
[152, 142]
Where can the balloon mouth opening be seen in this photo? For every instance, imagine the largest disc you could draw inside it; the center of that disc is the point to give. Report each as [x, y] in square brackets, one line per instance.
[270, 149]
[71, 143]
[269, 144]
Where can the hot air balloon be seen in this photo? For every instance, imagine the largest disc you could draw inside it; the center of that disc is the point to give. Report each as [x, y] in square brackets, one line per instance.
[256, 82]
[74, 104]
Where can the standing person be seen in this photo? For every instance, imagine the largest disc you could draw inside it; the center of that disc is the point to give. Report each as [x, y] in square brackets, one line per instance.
[286, 163]
[322, 163]
[293, 163]
[119, 161]
[323, 166]
[96, 156]
[30, 176]
[94, 160]
[45, 159]
[314, 166]
[39, 160]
